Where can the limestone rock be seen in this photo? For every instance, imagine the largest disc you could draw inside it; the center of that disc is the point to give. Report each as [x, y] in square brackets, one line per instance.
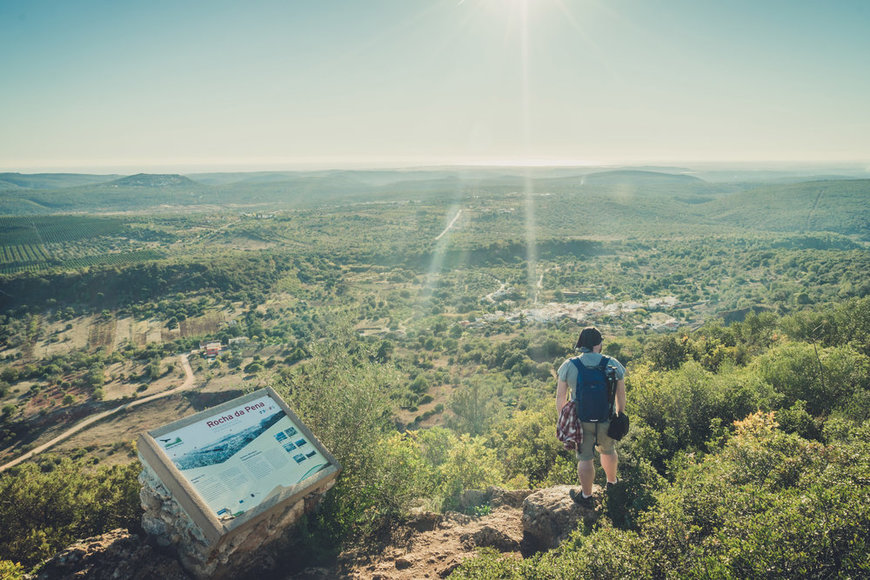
[509, 497]
[448, 570]
[550, 515]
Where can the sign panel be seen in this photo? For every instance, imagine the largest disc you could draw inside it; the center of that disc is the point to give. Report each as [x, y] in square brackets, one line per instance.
[240, 457]
[236, 462]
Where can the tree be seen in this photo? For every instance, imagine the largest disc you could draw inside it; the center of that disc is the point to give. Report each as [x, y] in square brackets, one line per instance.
[827, 379]
[473, 404]
[667, 352]
[96, 376]
[345, 399]
[385, 351]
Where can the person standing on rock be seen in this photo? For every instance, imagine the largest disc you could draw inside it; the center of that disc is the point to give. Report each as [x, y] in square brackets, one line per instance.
[594, 427]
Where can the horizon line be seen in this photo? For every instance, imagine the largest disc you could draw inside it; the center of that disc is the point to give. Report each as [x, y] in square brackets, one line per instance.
[362, 164]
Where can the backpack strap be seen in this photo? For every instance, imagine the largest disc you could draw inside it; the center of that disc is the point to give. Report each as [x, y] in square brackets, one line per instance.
[611, 382]
[577, 363]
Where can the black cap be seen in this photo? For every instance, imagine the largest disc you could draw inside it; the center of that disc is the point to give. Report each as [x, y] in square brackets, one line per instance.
[589, 337]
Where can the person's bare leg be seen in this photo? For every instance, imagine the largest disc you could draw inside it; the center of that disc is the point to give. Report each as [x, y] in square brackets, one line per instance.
[586, 474]
[609, 463]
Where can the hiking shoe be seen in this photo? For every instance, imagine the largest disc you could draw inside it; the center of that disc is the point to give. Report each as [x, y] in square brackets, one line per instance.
[612, 486]
[578, 498]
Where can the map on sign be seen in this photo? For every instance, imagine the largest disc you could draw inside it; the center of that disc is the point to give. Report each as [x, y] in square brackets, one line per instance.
[240, 457]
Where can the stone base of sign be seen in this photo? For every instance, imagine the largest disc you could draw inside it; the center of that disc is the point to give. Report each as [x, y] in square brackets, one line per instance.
[232, 556]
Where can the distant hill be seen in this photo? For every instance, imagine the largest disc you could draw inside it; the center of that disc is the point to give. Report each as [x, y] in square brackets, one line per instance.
[838, 205]
[17, 206]
[631, 184]
[841, 206]
[136, 192]
[152, 180]
[637, 177]
[50, 180]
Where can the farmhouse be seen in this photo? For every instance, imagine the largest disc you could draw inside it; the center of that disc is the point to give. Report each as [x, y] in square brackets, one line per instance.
[212, 349]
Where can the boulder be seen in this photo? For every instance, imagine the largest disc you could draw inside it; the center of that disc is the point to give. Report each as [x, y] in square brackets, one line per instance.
[424, 521]
[509, 497]
[550, 515]
[490, 537]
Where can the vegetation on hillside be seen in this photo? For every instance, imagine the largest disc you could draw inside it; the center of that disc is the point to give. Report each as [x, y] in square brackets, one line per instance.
[425, 362]
[734, 427]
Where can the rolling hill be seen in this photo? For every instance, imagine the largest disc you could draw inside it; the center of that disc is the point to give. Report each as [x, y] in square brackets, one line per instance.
[841, 206]
[50, 180]
[838, 205]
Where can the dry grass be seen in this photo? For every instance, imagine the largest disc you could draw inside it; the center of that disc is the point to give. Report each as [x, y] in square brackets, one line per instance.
[101, 334]
[209, 323]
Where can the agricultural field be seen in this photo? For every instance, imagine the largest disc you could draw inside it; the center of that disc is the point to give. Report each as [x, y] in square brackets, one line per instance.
[30, 244]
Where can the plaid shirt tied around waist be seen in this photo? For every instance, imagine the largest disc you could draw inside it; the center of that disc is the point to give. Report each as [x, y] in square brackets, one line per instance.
[568, 429]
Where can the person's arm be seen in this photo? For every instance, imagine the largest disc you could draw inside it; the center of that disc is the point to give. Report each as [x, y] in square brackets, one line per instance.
[620, 396]
[561, 396]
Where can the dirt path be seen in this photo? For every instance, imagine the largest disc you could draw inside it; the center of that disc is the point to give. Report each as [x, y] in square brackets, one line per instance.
[434, 549]
[501, 288]
[450, 225]
[187, 384]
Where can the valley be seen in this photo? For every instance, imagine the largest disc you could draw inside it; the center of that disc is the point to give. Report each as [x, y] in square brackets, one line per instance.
[426, 312]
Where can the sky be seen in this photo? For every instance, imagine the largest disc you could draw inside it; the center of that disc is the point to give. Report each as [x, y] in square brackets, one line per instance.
[130, 86]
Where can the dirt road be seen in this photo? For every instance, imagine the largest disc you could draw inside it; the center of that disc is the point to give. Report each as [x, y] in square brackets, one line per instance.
[187, 384]
[450, 225]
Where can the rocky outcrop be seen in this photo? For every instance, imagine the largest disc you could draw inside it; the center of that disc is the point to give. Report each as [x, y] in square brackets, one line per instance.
[550, 515]
[490, 537]
[519, 523]
[113, 555]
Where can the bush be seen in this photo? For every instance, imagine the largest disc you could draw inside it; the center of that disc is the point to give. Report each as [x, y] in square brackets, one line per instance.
[674, 410]
[379, 472]
[468, 464]
[827, 379]
[768, 504]
[49, 503]
[667, 352]
[10, 570]
[526, 443]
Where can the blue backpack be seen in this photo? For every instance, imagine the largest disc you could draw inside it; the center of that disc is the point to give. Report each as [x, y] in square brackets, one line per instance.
[595, 391]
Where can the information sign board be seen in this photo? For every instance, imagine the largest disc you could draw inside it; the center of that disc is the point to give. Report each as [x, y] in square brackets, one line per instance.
[233, 461]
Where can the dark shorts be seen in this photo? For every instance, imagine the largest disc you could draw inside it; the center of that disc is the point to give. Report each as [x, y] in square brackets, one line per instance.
[595, 434]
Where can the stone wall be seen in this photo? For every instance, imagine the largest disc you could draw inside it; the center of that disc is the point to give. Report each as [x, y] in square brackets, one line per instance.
[237, 553]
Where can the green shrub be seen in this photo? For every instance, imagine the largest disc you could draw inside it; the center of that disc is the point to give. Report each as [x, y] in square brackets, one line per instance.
[382, 472]
[673, 410]
[767, 504]
[526, 443]
[827, 379]
[10, 570]
[49, 503]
